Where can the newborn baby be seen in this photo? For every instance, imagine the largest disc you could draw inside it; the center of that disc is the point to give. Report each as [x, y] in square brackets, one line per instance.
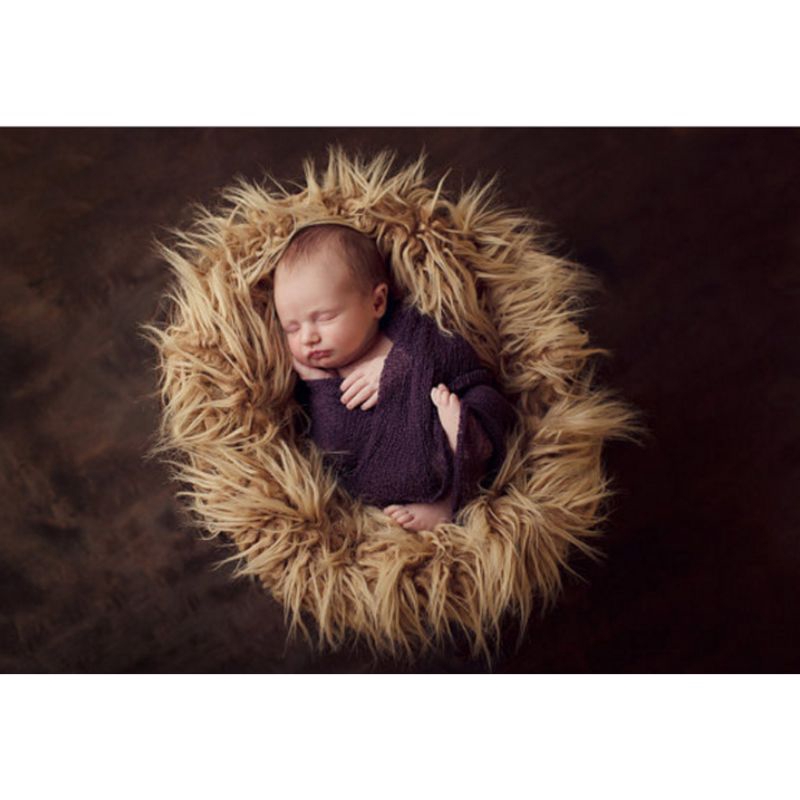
[409, 416]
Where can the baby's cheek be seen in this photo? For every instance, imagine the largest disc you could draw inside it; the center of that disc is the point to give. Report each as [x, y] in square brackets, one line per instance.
[332, 337]
[349, 335]
[292, 347]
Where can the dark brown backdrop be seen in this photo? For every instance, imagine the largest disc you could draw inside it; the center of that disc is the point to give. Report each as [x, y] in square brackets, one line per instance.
[696, 236]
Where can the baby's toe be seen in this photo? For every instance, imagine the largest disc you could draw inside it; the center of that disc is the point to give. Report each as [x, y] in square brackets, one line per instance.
[400, 514]
[440, 394]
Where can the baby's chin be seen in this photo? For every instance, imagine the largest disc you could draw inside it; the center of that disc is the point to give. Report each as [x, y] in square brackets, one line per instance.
[331, 361]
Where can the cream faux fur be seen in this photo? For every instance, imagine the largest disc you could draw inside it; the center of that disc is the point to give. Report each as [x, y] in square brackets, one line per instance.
[235, 430]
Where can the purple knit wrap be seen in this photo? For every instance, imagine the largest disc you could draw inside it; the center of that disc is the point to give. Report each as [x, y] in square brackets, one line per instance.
[397, 451]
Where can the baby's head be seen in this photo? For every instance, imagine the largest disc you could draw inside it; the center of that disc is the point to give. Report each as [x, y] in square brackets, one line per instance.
[331, 290]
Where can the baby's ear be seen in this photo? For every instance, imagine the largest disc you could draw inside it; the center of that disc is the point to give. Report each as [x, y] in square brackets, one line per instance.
[379, 298]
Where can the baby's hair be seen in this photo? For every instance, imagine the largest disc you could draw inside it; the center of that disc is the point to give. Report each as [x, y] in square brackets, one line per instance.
[367, 265]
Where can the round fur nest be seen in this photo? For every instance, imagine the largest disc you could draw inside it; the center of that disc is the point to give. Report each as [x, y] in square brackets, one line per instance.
[237, 434]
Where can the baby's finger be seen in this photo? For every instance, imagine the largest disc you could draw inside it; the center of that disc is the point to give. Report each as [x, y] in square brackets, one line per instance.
[360, 397]
[351, 391]
[351, 379]
[352, 384]
[370, 403]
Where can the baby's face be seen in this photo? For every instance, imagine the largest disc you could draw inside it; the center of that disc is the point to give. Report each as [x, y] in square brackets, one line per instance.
[328, 319]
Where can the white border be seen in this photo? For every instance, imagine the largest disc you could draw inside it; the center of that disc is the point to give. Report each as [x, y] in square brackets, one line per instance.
[410, 64]
[614, 736]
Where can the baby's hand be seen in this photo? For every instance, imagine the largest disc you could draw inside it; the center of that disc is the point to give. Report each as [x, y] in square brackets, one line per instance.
[311, 373]
[360, 387]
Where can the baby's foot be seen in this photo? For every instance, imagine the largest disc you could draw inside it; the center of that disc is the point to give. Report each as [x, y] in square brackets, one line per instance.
[420, 516]
[449, 407]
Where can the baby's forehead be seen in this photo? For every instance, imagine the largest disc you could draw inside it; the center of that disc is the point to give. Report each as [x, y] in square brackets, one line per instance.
[316, 266]
[300, 285]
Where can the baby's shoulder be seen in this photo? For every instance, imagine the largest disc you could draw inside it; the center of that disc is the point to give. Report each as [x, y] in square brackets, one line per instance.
[409, 322]
[421, 335]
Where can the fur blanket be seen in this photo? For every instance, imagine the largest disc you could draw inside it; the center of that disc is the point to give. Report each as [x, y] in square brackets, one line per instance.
[251, 475]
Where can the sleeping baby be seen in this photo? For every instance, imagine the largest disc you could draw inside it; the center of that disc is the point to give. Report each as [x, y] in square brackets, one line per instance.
[409, 417]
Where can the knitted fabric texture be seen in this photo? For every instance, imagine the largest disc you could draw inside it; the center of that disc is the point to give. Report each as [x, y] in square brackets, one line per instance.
[235, 435]
[397, 452]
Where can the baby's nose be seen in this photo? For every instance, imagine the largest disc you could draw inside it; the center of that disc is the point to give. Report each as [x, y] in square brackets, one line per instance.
[310, 334]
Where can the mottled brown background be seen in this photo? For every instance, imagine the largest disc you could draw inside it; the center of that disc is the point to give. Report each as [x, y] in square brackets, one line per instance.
[696, 236]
